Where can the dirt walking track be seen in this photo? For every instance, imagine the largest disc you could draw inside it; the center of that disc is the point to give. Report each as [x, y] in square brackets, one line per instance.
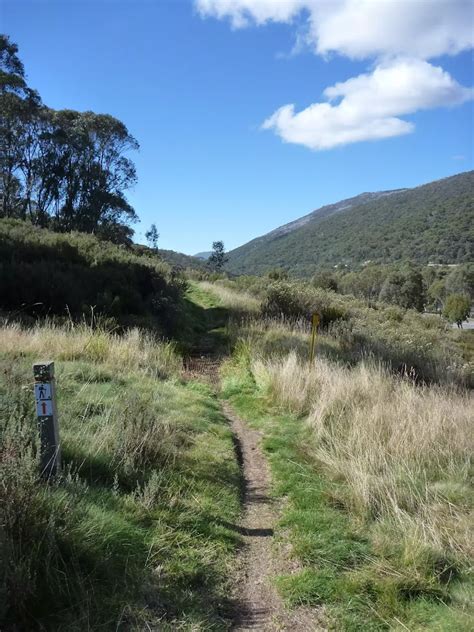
[257, 603]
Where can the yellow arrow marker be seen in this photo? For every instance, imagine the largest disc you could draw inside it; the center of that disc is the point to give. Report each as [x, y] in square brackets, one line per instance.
[314, 326]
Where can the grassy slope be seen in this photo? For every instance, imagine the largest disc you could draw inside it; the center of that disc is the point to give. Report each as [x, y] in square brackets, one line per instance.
[428, 223]
[138, 531]
[365, 579]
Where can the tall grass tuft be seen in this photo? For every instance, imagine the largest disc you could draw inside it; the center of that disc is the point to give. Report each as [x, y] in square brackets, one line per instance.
[403, 451]
[112, 542]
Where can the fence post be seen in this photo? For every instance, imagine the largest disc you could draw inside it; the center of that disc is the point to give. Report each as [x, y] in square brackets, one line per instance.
[47, 418]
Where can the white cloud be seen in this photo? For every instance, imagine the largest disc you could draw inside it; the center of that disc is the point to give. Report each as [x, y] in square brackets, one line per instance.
[363, 28]
[418, 28]
[243, 12]
[398, 34]
[367, 107]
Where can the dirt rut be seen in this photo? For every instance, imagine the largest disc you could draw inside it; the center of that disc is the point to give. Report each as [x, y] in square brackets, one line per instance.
[257, 603]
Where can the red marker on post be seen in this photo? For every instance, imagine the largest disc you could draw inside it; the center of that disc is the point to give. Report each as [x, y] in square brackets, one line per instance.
[47, 418]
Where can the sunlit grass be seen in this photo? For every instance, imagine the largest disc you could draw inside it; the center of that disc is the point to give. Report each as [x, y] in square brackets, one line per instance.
[376, 474]
[233, 300]
[136, 532]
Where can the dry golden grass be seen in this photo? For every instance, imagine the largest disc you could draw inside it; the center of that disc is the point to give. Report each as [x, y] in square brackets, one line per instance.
[403, 450]
[134, 350]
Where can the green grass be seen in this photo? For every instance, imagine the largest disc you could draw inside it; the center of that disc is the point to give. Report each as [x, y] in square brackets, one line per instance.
[138, 530]
[201, 297]
[204, 322]
[69, 275]
[365, 583]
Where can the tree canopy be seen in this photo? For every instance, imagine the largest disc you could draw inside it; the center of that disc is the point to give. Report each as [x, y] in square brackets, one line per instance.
[457, 308]
[63, 169]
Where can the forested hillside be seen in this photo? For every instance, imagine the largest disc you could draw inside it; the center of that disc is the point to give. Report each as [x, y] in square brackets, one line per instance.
[181, 260]
[430, 223]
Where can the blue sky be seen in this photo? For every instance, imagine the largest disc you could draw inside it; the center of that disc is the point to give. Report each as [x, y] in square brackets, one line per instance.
[195, 81]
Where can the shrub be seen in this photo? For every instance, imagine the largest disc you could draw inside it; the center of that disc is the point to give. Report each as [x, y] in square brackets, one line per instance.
[457, 308]
[294, 300]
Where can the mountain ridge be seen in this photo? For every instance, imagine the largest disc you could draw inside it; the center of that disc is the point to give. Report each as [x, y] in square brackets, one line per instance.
[331, 209]
[430, 222]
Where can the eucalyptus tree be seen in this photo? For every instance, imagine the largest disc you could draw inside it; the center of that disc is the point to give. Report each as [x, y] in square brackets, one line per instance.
[18, 103]
[152, 235]
[92, 171]
[65, 169]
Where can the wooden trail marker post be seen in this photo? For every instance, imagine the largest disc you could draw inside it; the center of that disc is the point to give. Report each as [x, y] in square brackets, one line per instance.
[314, 326]
[47, 418]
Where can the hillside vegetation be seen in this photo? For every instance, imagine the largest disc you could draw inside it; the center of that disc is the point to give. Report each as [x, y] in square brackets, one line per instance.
[431, 223]
[140, 530]
[408, 343]
[43, 273]
[181, 260]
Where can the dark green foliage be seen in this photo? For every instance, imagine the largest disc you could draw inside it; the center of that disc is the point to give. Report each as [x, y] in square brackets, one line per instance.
[461, 281]
[17, 104]
[404, 288]
[326, 280]
[278, 274]
[152, 237]
[431, 223]
[45, 273]
[178, 260]
[441, 281]
[364, 283]
[218, 258]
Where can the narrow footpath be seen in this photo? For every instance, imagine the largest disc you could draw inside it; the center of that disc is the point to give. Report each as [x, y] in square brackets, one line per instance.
[257, 603]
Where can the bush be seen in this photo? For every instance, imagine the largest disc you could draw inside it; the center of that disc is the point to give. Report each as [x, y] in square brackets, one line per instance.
[294, 301]
[457, 308]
